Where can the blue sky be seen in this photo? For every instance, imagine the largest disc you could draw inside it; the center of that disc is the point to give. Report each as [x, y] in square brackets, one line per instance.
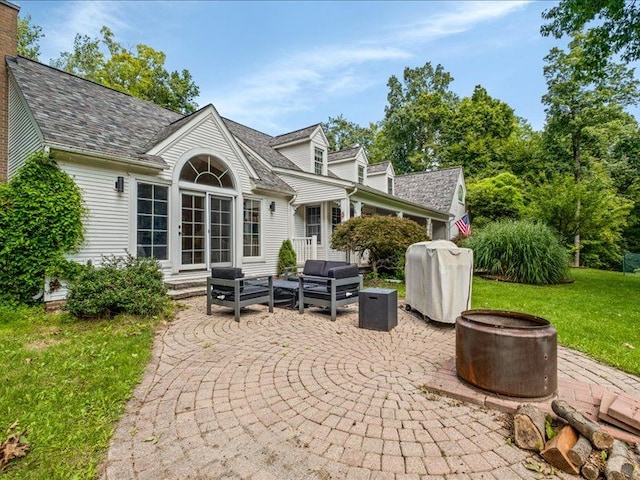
[280, 66]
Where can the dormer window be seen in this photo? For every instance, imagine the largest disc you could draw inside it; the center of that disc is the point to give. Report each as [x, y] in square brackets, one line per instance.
[390, 186]
[318, 161]
[460, 194]
[360, 174]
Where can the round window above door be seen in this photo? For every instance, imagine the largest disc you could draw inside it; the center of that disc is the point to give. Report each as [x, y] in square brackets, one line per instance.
[206, 170]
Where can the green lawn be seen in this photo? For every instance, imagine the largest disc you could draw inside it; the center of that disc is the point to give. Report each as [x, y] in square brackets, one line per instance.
[598, 314]
[67, 381]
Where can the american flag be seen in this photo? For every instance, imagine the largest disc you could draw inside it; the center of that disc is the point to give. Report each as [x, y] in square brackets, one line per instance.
[464, 227]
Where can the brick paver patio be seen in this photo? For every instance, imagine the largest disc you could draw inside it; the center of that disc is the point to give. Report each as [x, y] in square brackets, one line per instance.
[289, 396]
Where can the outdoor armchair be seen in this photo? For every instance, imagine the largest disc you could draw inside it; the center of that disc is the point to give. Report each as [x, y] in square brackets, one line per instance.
[339, 287]
[229, 287]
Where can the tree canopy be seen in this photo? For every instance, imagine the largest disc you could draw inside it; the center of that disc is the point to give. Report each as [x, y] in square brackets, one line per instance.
[614, 26]
[140, 72]
[343, 134]
[29, 36]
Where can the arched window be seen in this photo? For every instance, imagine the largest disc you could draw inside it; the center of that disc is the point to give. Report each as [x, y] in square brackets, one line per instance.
[206, 170]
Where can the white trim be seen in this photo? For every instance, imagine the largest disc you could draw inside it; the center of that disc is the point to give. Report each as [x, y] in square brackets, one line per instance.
[260, 258]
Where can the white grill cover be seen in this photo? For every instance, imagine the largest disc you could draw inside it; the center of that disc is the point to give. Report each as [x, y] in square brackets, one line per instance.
[438, 278]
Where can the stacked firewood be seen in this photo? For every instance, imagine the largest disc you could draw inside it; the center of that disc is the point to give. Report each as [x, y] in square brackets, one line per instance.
[580, 446]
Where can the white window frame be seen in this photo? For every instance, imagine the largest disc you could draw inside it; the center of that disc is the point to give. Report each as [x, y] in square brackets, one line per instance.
[136, 243]
[390, 185]
[319, 224]
[361, 174]
[260, 256]
[318, 161]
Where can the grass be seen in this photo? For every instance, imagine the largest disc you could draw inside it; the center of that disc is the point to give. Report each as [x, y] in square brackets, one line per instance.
[67, 382]
[598, 314]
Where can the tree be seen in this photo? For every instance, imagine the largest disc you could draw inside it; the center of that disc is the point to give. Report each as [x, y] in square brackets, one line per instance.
[386, 239]
[343, 134]
[617, 28]
[578, 99]
[591, 208]
[495, 198]
[416, 114]
[140, 73]
[477, 133]
[29, 36]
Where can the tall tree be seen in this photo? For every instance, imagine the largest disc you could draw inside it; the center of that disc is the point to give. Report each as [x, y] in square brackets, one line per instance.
[477, 134]
[29, 36]
[343, 134]
[578, 99]
[417, 110]
[615, 26]
[140, 73]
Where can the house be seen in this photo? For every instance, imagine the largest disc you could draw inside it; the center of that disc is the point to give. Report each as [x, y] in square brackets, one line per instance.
[192, 191]
[443, 190]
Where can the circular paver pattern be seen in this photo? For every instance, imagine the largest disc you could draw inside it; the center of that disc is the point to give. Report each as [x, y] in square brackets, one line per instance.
[289, 396]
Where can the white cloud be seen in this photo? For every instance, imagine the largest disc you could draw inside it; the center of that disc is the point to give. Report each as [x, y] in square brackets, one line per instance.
[299, 81]
[463, 17]
[78, 17]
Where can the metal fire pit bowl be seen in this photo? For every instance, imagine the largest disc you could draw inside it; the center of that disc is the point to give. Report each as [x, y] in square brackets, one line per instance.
[508, 353]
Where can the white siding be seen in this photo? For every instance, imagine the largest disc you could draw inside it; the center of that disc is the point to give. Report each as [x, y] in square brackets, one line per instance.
[345, 170]
[311, 191]
[379, 181]
[207, 135]
[24, 137]
[300, 154]
[107, 220]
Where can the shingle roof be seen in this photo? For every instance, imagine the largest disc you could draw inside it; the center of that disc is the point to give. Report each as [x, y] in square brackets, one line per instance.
[342, 154]
[293, 136]
[77, 113]
[434, 189]
[268, 179]
[259, 143]
[378, 167]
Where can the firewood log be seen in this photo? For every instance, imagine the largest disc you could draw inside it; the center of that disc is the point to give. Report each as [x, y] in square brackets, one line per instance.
[591, 469]
[594, 433]
[556, 450]
[529, 427]
[580, 451]
[618, 466]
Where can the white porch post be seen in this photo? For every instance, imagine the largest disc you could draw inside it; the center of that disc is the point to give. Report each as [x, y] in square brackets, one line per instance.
[429, 228]
[357, 209]
[400, 214]
[345, 209]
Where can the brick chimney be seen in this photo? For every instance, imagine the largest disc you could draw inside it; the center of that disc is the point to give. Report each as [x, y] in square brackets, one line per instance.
[8, 46]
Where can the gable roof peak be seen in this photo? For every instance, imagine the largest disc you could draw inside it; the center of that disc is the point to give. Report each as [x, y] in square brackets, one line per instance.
[296, 135]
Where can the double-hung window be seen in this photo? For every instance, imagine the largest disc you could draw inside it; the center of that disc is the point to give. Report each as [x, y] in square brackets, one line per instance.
[152, 216]
[313, 225]
[251, 228]
[360, 174]
[390, 186]
[336, 217]
[318, 160]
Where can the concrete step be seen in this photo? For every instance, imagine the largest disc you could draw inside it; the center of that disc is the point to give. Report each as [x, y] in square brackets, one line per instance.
[180, 283]
[182, 293]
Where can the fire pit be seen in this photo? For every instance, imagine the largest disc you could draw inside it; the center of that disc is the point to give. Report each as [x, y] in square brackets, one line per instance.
[509, 353]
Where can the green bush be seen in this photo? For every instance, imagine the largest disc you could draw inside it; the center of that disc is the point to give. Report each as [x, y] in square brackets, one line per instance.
[385, 238]
[40, 221]
[520, 251]
[121, 285]
[286, 257]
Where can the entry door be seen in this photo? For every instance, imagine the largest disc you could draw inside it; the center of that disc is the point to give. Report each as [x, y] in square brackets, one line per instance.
[221, 231]
[206, 231]
[193, 231]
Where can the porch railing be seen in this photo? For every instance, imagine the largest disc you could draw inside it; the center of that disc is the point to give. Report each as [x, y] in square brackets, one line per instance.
[306, 248]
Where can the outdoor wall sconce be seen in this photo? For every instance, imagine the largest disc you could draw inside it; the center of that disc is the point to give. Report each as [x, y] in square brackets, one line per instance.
[120, 185]
[272, 207]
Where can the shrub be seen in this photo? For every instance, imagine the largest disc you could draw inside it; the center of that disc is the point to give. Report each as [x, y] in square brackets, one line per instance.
[520, 251]
[286, 257]
[40, 221]
[121, 285]
[386, 239]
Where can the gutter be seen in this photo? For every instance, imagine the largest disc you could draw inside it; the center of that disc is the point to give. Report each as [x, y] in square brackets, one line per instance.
[101, 156]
